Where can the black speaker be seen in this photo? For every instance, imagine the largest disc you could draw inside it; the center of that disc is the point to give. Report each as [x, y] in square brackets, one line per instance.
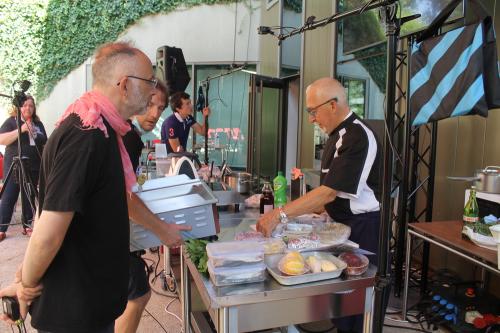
[171, 68]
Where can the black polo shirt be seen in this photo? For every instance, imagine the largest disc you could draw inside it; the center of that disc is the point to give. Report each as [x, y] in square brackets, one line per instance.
[86, 285]
[351, 166]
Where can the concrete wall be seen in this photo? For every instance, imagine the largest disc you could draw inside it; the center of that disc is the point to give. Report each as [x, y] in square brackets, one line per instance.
[269, 51]
[206, 34]
[318, 53]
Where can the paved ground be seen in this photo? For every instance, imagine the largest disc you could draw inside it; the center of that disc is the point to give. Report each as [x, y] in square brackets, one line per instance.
[11, 255]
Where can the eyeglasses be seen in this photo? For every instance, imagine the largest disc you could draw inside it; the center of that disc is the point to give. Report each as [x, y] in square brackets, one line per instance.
[312, 111]
[153, 82]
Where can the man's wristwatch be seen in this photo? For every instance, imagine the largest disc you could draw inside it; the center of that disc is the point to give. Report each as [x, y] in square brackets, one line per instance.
[283, 216]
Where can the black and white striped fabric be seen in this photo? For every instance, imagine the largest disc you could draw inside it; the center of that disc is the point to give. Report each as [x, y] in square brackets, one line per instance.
[351, 166]
[455, 74]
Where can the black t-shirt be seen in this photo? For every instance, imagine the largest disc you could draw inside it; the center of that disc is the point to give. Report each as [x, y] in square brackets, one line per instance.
[86, 284]
[33, 150]
[134, 145]
[351, 166]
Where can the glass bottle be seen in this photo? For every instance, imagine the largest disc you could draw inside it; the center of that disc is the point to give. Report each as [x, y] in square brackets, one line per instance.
[267, 199]
[471, 210]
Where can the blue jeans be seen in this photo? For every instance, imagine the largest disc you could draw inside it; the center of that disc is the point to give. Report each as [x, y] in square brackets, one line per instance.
[9, 199]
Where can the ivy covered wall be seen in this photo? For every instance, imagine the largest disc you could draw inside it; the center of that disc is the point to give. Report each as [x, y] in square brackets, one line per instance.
[44, 40]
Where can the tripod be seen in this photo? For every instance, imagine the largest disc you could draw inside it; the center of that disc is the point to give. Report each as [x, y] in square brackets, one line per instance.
[20, 169]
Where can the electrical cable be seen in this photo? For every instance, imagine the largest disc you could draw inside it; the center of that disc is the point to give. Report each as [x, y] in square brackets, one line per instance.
[170, 312]
[149, 313]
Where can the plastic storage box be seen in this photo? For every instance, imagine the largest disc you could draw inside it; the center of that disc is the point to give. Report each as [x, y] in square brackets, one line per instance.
[226, 276]
[235, 254]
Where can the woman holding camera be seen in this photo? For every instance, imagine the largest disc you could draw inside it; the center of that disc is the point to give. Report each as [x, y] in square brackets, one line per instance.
[33, 138]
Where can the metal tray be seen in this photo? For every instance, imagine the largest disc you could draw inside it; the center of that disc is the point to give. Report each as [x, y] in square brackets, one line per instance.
[272, 261]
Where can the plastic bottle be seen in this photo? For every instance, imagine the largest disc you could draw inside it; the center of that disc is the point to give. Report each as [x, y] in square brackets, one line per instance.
[267, 199]
[279, 186]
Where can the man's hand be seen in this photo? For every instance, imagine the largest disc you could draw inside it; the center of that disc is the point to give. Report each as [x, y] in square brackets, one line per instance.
[9, 291]
[24, 296]
[268, 222]
[170, 235]
[206, 111]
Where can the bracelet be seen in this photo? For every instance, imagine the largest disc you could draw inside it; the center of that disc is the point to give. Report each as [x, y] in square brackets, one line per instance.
[283, 217]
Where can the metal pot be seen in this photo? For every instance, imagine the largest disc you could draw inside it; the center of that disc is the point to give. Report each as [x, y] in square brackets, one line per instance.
[485, 180]
[239, 181]
[488, 179]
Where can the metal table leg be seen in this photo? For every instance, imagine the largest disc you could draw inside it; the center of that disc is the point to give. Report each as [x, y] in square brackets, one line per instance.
[185, 294]
[368, 315]
[228, 320]
[407, 275]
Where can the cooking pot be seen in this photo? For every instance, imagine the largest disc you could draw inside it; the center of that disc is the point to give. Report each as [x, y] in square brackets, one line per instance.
[485, 180]
[239, 181]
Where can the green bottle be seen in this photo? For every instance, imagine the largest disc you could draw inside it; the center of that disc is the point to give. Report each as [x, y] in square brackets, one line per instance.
[471, 209]
[279, 187]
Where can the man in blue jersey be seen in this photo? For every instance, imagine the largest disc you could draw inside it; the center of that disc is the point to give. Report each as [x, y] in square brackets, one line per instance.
[175, 129]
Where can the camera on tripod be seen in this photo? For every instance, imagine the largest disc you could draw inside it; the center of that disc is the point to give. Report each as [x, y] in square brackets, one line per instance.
[19, 171]
[20, 95]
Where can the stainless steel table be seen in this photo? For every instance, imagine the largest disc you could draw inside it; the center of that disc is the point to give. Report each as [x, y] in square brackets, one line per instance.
[257, 306]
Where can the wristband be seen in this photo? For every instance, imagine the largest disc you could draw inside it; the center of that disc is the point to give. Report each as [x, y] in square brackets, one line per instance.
[283, 217]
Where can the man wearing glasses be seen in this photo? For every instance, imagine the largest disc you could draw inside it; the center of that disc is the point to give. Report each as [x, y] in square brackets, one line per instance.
[86, 180]
[350, 171]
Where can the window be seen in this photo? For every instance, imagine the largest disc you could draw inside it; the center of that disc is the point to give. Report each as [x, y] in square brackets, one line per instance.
[356, 94]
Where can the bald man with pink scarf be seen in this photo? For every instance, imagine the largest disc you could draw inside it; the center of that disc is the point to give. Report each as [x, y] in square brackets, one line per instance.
[75, 270]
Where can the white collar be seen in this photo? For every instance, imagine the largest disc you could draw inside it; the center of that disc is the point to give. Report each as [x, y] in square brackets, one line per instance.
[348, 115]
[178, 116]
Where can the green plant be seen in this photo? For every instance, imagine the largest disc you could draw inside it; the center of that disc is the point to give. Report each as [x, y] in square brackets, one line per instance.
[21, 25]
[196, 249]
[44, 40]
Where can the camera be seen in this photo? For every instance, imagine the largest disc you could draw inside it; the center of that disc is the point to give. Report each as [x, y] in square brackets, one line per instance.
[10, 307]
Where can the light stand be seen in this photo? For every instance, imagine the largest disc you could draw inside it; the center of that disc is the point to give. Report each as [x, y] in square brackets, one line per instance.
[20, 163]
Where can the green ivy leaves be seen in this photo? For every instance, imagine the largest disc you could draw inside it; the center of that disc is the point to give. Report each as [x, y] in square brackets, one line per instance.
[44, 40]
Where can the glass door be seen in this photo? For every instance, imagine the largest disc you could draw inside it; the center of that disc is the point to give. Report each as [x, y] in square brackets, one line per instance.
[267, 131]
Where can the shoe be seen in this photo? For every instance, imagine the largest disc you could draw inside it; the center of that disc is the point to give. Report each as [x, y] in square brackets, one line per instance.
[27, 231]
[3, 235]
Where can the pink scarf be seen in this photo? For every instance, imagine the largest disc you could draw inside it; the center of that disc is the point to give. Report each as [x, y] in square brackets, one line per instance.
[89, 108]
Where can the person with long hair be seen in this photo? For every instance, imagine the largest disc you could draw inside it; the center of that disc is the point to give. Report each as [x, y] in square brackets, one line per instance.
[33, 138]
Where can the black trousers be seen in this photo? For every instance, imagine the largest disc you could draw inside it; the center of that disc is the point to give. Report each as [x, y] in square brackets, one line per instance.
[364, 231]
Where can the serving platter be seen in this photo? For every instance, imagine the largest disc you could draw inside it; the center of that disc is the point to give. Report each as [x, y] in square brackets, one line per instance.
[272, 261]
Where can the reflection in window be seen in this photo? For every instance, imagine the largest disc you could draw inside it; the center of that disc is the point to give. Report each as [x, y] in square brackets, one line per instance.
[355, 92]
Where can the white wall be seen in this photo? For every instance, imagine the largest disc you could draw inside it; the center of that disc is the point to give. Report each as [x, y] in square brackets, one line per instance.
[206, 34]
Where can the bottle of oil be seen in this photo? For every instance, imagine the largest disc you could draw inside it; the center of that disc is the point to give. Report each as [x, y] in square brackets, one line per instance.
[267, 199]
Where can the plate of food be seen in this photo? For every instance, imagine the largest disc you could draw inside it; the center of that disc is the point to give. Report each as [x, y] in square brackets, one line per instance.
[296, 268]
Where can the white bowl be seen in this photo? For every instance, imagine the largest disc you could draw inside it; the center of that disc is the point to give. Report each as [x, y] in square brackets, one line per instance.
[495, 231]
